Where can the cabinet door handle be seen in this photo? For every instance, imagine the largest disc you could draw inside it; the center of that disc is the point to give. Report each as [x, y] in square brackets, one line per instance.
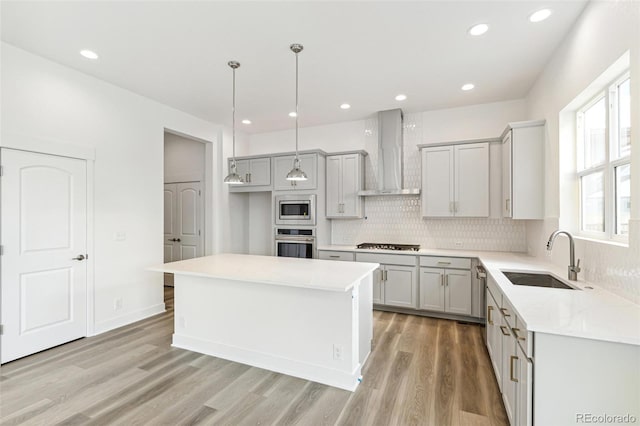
[249, 177]
[515, 332]
[511, 359]
[489, 319]
[505, 330]
[442, 280]
[505, 312]
[507, 203]
[386, 275]
[446, 280]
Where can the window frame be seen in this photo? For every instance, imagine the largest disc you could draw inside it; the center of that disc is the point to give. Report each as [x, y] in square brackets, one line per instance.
[611, 162]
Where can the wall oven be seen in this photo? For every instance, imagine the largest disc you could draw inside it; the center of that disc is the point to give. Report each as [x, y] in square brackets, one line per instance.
[295, 243]
[296, 209]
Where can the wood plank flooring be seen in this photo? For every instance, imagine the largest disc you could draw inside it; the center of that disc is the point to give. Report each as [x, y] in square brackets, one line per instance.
[422, 371]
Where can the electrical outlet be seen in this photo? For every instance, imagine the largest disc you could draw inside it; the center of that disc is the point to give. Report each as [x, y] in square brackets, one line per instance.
[458, 244]
[117, 304]
[120, 236]
[337, 352]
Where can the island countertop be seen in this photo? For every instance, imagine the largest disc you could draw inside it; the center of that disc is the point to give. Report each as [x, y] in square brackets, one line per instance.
[283, 271]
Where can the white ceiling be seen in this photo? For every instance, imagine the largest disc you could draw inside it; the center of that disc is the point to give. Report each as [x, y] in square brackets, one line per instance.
[363, 53]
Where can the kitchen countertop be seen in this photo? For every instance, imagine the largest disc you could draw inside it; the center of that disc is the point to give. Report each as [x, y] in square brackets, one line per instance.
[283, 271]
[587, 313]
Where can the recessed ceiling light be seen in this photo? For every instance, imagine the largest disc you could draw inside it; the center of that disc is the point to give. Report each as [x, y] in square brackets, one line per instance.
[401, 97]
[540, 15]
[245, 121]
[345, 106]
[468, 86]
[292, 114]
[479, 29]
[89, 54]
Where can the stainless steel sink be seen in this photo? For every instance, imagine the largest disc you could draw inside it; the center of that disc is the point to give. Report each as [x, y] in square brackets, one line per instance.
[536, 280]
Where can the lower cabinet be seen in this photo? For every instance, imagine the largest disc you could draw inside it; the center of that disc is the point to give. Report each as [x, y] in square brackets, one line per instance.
[445, 290]
[400, 284]
[396, 281]
[513, 368]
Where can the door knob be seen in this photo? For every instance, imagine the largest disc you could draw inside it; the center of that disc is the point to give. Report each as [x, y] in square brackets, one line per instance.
[79, 258]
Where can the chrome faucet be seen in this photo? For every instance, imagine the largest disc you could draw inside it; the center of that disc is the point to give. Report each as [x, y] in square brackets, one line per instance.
[573, 267]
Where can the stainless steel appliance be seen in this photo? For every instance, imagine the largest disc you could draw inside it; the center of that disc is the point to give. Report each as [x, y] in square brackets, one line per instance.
[295, 243]
[296, 209]
[387, 246]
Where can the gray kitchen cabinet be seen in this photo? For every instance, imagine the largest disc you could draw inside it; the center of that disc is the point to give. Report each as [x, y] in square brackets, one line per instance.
[283, 165]
[455, 180]
[445, 290]
[523, 170]
[446, 284]
[397, 283]
[256, 173]
[345, 177]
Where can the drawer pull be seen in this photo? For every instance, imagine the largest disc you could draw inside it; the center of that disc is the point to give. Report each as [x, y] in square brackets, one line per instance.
[489, 319]
[334, 256]
[505, 330]
[511, 359]
[515, 331]
[505, 312]
[444, 263]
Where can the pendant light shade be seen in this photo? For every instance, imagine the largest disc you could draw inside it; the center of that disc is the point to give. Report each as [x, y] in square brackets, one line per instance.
[296, 173]
[233, 178]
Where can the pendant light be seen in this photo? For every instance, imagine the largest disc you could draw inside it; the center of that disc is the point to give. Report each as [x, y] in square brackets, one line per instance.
[296, 173]
[233, 178]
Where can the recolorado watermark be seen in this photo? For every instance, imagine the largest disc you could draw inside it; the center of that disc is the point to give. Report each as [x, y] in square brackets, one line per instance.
[605, 418]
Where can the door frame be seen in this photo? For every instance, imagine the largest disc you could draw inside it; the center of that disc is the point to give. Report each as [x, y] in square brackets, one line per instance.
[26, 143]
[207, 187]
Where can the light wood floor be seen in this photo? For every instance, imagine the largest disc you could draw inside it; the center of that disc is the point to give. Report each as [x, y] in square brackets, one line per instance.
[422, 371]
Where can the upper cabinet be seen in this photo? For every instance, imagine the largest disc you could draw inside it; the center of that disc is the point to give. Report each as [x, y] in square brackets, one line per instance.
[523, 170]
[283, 165]
[345, 177]
[256, 173]
[455, 180]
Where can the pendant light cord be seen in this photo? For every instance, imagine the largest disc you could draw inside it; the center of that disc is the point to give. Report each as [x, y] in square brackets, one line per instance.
[296, 106]
[233, 117]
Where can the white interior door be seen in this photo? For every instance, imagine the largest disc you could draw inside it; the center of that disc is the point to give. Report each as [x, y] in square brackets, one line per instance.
[183, 219]
[44, 240]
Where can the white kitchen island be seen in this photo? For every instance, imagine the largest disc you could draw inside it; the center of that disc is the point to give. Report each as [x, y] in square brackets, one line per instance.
[307, 318]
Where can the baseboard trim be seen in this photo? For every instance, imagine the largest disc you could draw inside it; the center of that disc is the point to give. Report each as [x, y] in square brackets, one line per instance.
[315, 373]
[128, 318]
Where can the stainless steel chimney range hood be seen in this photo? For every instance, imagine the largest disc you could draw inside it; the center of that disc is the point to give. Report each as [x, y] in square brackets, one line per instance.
[390, 157]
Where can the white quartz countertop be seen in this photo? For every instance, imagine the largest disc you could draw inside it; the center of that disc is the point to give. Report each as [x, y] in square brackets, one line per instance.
[283, 271]
[587, 313]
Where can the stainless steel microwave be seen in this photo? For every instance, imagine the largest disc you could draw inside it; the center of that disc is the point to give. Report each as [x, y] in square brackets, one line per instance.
[296, 209]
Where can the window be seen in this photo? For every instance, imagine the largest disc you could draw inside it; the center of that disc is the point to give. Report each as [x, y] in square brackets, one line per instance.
[604, 161]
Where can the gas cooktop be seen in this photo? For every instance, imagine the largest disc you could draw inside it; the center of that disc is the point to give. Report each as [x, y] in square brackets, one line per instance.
[386, 246]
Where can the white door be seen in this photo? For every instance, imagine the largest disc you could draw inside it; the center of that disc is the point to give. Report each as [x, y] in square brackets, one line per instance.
[472, 180]
[44, 240]
[334, 186]
[400, 286]
[432, 289]
[458, 292]
[350, 185]
[506, 175]
[437, 181]
[183, 218]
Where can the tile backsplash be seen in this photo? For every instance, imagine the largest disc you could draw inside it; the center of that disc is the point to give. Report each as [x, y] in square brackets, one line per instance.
[397, 219]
